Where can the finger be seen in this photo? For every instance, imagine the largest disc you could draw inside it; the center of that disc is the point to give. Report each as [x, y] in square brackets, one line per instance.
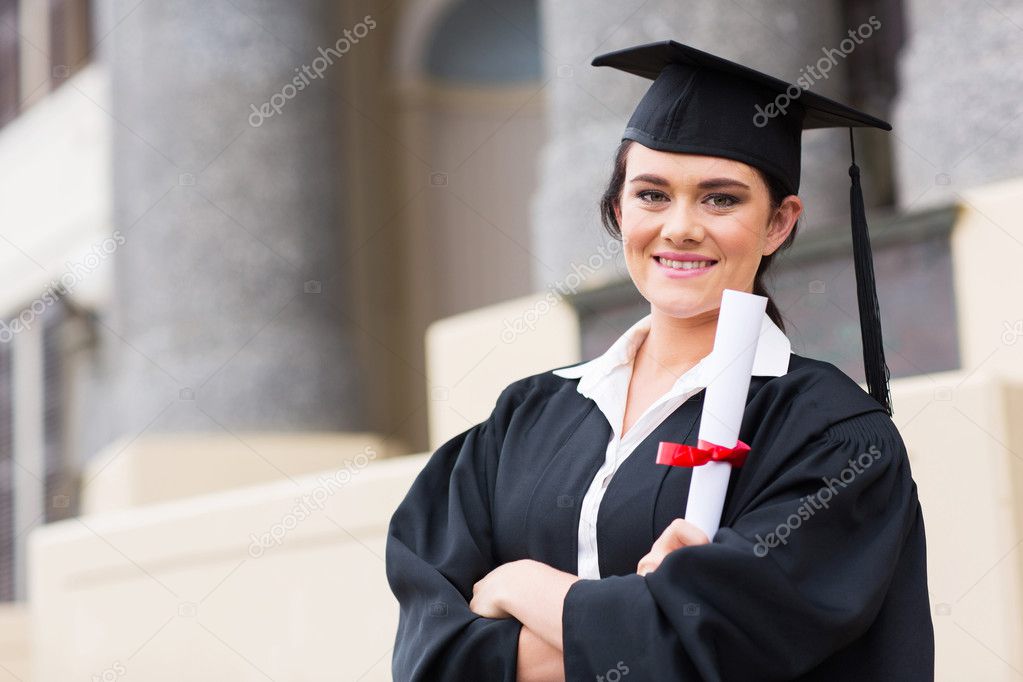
[668, 541]
[478, 606]
[695, 536]
[679, 533]
[648, 563]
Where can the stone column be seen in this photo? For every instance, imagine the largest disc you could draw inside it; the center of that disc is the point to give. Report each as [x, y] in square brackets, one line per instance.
[958, 118]
[229, 308]
[588, 106]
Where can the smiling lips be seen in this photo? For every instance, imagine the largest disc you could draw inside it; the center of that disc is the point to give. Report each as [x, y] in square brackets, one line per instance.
[683, 264]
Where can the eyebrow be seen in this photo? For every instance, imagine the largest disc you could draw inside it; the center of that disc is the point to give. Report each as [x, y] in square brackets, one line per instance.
[710, 183]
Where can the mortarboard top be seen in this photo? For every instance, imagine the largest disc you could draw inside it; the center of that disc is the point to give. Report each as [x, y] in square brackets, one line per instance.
[700, 103]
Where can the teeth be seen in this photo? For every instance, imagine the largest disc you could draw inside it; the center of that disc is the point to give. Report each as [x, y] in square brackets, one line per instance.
[685, 264]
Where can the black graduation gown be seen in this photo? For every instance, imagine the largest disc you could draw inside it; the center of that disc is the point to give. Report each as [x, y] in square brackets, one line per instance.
[799, 582]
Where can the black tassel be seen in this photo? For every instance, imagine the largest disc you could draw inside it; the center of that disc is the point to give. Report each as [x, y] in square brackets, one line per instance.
[874, 366]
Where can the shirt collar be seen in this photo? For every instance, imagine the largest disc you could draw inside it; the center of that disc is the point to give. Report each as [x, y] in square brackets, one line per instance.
[771, 358]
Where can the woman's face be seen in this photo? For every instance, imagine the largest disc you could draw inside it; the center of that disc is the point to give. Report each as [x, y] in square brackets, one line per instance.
[686, 208]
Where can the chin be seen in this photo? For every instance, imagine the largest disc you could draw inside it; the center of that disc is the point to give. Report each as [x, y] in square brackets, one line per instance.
[682, 307]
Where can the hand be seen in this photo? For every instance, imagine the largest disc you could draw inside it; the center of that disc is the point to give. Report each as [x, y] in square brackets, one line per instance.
[680, 533]
[529, 591]
[492, 593]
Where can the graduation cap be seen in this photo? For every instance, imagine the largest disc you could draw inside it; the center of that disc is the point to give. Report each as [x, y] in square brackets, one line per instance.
[699, 103]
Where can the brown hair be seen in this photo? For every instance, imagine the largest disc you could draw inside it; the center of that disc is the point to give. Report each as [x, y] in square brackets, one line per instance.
[612, 195]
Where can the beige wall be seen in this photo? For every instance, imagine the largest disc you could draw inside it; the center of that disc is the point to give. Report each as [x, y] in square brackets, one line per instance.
[471, 357]
[184, 590]
[15, 653]
[987, 248]
[963, 437]
[136, 471]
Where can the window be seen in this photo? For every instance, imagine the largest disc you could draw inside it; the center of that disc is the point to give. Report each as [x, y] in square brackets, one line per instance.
[60, 484]
[9, 63]
[7, 531]
[70, 38]
[42, 44]
[26, 499]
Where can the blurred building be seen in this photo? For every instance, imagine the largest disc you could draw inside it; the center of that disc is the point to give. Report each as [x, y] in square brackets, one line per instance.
[247, 247]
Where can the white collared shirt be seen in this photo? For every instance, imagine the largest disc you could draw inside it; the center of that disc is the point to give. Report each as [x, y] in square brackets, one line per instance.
[605, 380]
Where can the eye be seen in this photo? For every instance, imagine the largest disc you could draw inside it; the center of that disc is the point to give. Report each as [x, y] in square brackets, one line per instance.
[722, 200]
[651, 196]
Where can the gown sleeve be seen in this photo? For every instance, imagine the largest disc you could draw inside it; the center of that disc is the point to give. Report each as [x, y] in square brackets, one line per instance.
[439, 544]
[800, 574]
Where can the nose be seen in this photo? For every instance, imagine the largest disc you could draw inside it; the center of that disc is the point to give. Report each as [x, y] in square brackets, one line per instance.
[682, 223]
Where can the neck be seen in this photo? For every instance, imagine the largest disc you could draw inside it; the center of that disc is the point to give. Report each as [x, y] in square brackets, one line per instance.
[675, 343]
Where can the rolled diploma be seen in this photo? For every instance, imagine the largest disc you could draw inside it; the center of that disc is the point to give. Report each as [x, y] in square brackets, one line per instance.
[730, 366]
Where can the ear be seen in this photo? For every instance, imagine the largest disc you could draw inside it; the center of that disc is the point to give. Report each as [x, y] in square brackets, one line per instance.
[782, 222]
[618, 212]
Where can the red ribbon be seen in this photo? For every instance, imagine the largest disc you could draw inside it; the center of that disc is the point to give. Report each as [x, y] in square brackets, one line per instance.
[679, 455]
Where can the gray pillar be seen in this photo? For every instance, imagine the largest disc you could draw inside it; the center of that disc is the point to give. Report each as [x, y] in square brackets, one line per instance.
[958, 119]
[589, 106]
[229, 307]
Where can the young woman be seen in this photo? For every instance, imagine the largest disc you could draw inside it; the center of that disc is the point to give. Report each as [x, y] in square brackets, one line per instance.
[545, 543]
